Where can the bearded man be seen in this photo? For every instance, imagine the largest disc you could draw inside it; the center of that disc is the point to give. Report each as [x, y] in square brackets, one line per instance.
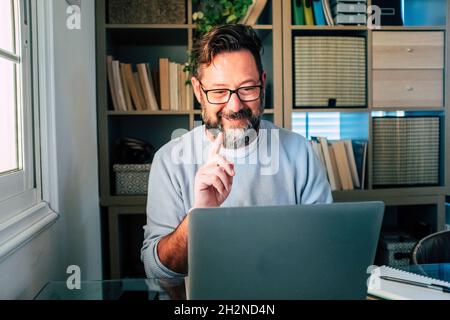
[235, 159]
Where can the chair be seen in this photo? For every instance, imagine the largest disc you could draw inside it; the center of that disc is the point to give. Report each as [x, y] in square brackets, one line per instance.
[434, 248]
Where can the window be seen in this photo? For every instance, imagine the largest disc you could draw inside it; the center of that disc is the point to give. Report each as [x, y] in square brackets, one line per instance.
[319, 124]
[28, 182]
[17, 158]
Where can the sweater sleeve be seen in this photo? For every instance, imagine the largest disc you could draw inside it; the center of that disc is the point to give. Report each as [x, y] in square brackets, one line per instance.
[165, 211]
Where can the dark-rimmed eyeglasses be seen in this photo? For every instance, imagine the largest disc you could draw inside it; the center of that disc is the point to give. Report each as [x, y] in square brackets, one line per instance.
[222, 96]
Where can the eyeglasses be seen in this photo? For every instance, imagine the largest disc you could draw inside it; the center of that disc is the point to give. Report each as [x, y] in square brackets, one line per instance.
[221, 96]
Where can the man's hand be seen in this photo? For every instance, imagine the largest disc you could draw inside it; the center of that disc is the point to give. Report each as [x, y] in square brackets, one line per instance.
[214, 179]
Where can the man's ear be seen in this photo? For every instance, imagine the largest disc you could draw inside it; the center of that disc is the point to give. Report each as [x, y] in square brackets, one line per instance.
[196, 88]
[263, 79]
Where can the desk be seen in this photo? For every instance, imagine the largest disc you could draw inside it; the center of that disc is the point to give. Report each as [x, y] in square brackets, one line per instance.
[436, 271]
[169, 289]
[124, 289]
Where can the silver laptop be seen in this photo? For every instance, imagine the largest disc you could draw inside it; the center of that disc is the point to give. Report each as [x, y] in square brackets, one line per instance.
[283, 252]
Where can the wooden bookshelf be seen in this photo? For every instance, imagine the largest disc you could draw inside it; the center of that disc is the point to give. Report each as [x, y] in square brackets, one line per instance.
[141, 43]
[415, 198]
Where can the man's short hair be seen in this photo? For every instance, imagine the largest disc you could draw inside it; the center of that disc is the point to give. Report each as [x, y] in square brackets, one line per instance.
[226, 38]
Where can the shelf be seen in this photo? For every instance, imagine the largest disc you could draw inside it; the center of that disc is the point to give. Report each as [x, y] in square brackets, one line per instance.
[418, 109]
[329, 28]
[149, 113]
[124, 201]
[394, 195]
[262, 27]
[266, 111]
[173, 26]
[149, 26]
[410, 28]
[310, 110]
[365, 28]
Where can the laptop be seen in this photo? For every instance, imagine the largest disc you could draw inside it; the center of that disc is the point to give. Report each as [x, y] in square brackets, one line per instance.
[295, 252]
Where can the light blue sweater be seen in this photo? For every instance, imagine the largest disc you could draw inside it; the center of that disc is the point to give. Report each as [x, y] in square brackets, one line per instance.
[278, 168]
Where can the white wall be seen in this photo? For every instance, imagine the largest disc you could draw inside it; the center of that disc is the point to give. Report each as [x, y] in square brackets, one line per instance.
[75, 238]
[76, 125]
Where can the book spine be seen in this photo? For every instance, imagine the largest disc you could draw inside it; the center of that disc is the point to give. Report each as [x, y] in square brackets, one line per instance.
[112, 87]
[308, 11]
[139, 90]
[119, 86]
[153, 101]
[126, 89]
[297, 9]
[133, 89]
[318, 13]
[352, 163]
[164, 84]
[173, 91]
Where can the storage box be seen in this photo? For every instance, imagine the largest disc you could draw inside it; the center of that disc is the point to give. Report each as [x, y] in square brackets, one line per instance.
[406, 151]
[330, 71]
[131, 179]
[147, 11]
[395, 249]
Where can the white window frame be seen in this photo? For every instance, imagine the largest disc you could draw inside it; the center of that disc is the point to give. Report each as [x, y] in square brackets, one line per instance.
[32, 206]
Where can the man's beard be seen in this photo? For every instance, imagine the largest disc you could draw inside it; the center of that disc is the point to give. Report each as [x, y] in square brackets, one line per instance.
[236, 136]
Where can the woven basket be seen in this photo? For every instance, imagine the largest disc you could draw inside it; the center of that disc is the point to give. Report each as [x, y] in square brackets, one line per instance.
[147, 11]
[131, 179]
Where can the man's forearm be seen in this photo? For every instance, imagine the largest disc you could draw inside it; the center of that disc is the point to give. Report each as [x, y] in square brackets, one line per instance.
[172, 249]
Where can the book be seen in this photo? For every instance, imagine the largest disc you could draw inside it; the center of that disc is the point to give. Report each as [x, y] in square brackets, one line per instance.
[164, 84]
[143, 78]
[297, 10]
[328, 163]
[308, 12]
[118, 85]
[334, 167]
[327, 11]
[352, 163]
[112, 87]
[139, 90]
[153, 101]
[318, 150]
[173, 86]
[129, 78]
[363, 166]
[387, 289]
[319, 15]
[126, 89]
[258, 7]
[342, 165]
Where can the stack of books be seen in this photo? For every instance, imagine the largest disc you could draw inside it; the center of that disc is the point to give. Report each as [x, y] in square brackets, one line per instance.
[139, 88]
[343, 161]
[349, 12]
[311, 12]
[176, 94]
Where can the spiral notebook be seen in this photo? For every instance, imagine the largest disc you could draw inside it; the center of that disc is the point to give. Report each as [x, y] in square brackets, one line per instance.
[386, 289]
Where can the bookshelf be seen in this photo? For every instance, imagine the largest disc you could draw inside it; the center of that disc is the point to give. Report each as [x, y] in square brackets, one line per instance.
[407, 63]
[146, 43]
[136, 43]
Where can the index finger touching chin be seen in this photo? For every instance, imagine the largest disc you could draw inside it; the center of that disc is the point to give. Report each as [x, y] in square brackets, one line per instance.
[216, 146]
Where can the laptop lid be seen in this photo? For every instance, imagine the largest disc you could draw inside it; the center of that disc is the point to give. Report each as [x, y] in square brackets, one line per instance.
[317, 251]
